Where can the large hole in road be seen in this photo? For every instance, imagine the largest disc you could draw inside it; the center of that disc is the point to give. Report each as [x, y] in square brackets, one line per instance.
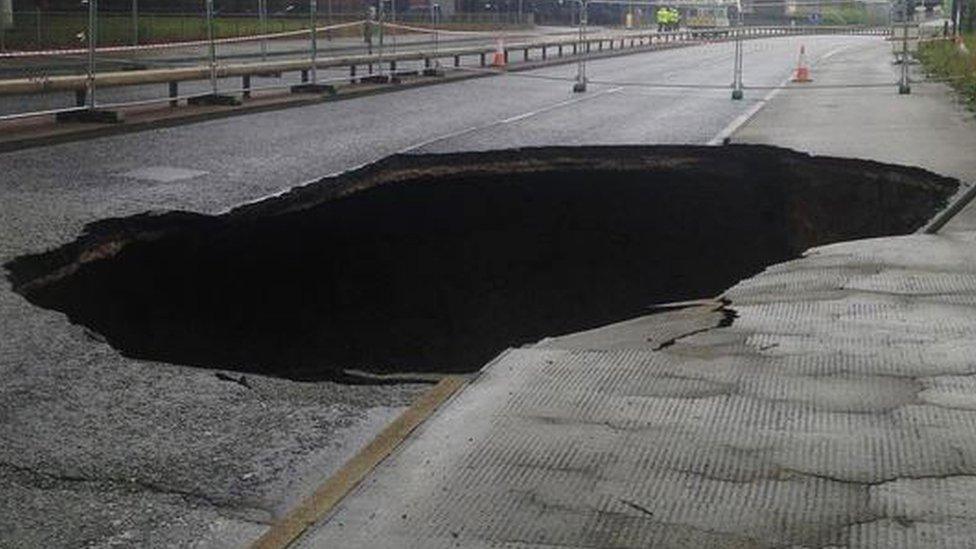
[439, 262]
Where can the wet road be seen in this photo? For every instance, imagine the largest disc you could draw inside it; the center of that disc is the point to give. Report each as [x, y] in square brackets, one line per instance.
[96, 448]
[214, 165]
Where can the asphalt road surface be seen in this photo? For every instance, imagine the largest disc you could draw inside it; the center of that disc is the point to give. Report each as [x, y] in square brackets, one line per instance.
[244, 158]
[100, 450]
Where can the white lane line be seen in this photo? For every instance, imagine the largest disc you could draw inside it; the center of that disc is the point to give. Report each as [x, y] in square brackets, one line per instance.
[745, 117]
[422, 144]
[741, 120]
[510, 119]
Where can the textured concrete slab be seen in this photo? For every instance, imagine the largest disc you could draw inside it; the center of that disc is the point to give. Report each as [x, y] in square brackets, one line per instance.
[835, 410]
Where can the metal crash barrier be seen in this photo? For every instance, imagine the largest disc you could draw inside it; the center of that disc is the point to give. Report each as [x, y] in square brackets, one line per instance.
[377, 64]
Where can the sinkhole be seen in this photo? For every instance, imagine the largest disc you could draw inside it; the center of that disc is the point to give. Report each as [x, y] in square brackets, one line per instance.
[436, 263]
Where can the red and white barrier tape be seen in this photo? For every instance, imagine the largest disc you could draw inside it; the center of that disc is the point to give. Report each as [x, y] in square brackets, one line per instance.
[171, 45]
[439, 31]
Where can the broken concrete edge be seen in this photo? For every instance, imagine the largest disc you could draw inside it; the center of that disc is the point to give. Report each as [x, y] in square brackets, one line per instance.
[296, 521]
[105, 238]
[407, 166]
[304, 100]
[331, 492]
[956, 205]
[721, 305]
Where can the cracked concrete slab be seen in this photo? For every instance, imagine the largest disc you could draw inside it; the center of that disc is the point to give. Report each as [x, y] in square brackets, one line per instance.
[835, 410]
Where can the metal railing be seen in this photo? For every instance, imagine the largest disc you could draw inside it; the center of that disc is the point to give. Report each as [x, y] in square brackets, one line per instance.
[540, 49]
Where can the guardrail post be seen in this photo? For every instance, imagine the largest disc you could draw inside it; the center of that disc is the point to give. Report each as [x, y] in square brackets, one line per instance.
[457, 60]
[174, 92]
[426, 62]
[246, 86]
[392, 66]
[559, 51]
[482, 59]
[352, 74]
[543, 52]
[525, 54]
[304, 76]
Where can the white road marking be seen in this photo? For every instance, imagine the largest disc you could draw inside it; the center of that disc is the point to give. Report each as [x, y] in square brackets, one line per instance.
[510, 119]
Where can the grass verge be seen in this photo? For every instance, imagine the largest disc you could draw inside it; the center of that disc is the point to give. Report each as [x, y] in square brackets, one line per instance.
[946, 60]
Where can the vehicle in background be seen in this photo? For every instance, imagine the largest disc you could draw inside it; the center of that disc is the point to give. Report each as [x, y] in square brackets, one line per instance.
[707, 17]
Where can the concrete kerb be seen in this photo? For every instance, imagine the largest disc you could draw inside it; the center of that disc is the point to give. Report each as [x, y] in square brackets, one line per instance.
[318, 505]
[955, 206]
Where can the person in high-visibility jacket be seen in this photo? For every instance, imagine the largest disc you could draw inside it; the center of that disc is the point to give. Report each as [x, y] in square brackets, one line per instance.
[667, 19]
[673, 18]
[662, 19]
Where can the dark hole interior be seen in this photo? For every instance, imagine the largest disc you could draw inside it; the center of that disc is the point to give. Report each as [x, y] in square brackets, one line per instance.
[437, 263]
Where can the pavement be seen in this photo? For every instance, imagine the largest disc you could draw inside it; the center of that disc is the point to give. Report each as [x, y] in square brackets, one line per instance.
[836, 409]
[100, 450]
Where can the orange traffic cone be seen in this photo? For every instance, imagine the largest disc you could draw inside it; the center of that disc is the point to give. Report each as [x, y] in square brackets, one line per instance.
[498, 60]
[802, 73]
